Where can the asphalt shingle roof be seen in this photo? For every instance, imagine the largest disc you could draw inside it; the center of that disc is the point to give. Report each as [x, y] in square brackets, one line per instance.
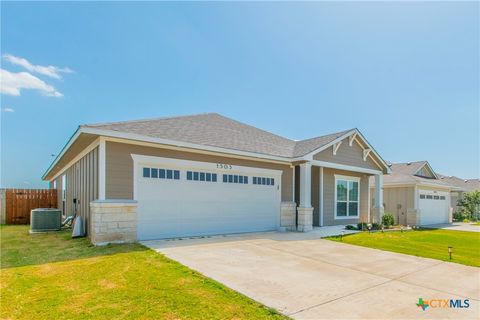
[404, 173]
[212, 129]
[462, 184]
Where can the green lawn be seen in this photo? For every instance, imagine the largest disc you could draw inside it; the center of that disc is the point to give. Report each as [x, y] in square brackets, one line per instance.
[51, 276]
[429, 243]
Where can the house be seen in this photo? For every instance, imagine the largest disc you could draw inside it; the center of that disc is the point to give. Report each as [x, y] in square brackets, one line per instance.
[415, 195]
[459, 188]
[207, 174]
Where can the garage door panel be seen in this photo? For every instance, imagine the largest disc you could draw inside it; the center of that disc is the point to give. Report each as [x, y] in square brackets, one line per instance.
[434, 207]
[179, 208]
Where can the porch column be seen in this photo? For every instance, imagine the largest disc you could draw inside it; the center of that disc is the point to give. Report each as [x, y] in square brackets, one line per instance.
[305, 210]
[378, 209]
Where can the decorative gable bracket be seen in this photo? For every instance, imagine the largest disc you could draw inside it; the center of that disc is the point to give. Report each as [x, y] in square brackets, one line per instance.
[351, 139]
[336, 146]
[366, 152]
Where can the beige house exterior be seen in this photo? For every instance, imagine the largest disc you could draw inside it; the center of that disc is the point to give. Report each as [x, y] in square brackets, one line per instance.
[207, 174]
[415, 195]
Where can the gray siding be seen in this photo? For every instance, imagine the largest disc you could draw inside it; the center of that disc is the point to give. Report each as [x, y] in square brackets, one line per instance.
[352, 156]
[82, 184]
[119, 167]
[329, 197]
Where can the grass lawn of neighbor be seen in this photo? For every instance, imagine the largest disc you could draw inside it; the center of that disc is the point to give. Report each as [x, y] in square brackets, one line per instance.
[51, 276]
[428, 243]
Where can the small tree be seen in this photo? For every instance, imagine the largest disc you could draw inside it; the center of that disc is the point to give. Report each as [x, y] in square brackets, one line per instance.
[470, 205]
[388, 220]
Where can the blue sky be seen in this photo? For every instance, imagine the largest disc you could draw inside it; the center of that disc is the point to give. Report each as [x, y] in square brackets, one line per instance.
[406, 74]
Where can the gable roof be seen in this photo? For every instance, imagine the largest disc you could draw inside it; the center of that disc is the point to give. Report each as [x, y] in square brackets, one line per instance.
[213, 129]
[405, 173]
[461, 184]
[212, 132]
[410, 168]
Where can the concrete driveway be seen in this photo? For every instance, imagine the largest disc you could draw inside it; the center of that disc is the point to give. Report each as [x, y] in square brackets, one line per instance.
[456, 226]
[309, 278]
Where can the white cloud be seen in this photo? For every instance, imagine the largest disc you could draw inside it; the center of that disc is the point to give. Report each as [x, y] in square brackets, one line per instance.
[50, 71]
[8, 110]
[11, 84]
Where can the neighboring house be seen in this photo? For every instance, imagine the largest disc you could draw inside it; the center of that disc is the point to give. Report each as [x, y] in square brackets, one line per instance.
[459, 188]
[207, 174]
[415, 195]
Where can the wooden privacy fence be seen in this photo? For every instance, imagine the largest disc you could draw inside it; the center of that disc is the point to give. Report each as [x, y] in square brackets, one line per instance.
[17, 203]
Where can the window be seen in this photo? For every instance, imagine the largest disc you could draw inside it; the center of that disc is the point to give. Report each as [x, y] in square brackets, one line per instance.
[146, 172]
[442, 197]
[422, 196]
[429, 196]
[436, 197]
[234, 178]
[347, 197]
[201, 176]
[161, 173]
[264, 181]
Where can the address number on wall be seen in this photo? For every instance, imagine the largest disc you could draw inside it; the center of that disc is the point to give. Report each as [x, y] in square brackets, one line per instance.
[224, 166]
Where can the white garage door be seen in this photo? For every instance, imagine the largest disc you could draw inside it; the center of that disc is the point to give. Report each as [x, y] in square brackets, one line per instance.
[178, 198]
[434, 206]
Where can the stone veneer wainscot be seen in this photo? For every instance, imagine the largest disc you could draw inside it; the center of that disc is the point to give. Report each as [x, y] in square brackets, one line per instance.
[113, 221]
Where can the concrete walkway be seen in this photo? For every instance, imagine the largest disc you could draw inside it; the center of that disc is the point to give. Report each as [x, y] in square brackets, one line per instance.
[310, 278]
[457, 226]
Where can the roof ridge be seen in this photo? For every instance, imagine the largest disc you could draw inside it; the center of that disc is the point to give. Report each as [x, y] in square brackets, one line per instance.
[150, 119]
[324, 135]
[256, 128]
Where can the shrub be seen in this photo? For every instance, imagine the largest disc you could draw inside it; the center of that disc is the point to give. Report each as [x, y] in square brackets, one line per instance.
[459, 216]
[376, 226]
[388, 220]
[350, 227]
[362, 226]
[466, 220]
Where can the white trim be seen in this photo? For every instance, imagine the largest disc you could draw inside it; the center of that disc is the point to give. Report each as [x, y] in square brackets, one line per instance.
[310, 155]
[344, 167]
[305, 185]
[336, 146]
[321, 197]
[426, 185]
[366, 152]
[348, 179]
[72, 139]
[351, 139]
[84, 152]
[201, 165]
[415, 198]
[293, 183]
[101, 169]
[429, 168]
